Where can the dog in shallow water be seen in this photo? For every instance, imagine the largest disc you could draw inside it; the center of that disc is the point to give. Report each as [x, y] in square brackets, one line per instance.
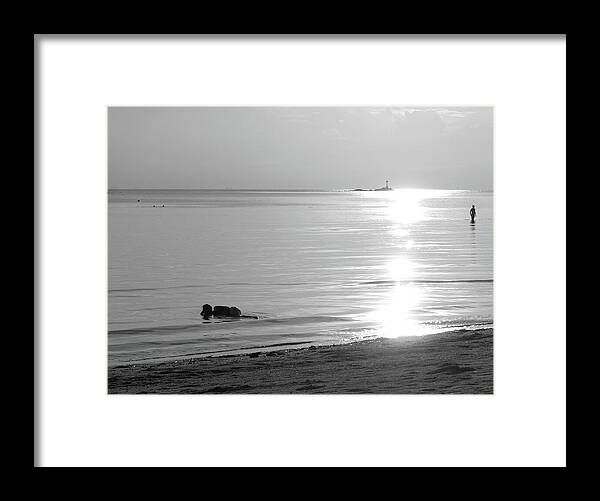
[222, 312]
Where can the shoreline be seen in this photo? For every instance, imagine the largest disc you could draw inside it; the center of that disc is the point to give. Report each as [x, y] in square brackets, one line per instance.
[458, 362]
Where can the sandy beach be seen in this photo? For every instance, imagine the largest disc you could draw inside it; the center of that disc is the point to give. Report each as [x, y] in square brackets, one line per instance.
[457, 362]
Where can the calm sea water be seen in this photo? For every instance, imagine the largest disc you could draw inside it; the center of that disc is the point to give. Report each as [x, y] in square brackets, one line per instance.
[315, 267]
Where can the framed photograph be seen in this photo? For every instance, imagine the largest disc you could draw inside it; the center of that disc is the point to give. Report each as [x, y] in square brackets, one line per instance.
[300, 250]
[317, 238]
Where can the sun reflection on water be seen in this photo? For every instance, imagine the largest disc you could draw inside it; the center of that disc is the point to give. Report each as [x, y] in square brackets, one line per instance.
[394, 317]
[405, 206]
[400, 269]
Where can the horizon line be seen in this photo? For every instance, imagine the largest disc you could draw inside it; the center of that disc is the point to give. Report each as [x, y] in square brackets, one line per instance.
[292, 189]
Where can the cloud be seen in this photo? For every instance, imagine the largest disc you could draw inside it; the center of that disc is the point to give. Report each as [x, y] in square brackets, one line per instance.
[300, 147]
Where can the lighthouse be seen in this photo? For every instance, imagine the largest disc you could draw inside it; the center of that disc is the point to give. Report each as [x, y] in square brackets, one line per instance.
[387, 187]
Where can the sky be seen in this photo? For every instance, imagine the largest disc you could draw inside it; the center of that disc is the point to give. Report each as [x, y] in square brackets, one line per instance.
[300, 148]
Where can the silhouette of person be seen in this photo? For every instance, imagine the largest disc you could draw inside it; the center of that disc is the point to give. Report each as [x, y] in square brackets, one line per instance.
[473, 213]
[207, 311]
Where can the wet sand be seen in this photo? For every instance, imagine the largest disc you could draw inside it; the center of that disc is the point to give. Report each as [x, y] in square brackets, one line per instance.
[458, 362]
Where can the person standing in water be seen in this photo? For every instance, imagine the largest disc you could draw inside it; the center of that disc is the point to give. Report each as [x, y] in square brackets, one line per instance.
[473, 213]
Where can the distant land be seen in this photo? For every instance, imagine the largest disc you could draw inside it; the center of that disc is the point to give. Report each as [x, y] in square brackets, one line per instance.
[383, 188]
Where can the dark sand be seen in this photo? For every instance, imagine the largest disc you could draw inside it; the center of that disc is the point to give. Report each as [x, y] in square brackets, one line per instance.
[457, 362]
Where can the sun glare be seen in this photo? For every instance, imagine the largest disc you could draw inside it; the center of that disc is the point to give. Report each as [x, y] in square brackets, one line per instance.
[405, 206]
[394, 318]
[400, 269]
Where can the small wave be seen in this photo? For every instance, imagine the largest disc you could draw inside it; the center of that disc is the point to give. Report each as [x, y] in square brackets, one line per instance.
[385, 282]
[248, 349]
[460, 325]
[224, 322]
[159, 328]
[150, 289]
[267, 283]
[303, 320]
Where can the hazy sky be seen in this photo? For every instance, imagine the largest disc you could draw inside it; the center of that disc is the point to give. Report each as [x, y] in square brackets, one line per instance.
[300, 148]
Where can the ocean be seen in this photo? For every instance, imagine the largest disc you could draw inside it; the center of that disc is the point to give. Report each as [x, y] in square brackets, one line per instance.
[315, 267]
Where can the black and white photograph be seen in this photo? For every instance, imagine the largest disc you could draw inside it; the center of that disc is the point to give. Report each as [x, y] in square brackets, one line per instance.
[300, 250]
